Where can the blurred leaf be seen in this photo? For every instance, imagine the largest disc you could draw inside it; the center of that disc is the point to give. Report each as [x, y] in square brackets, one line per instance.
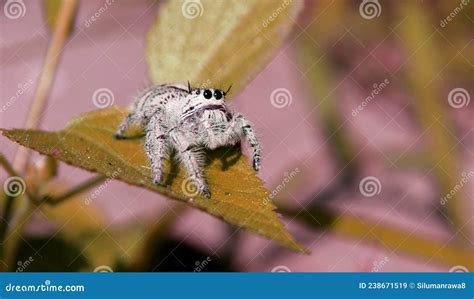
[52, 9]
[216, 42]
[422, 70]
[238, 196]
[54, 255]
[392, 238]
[324, 20]
[314, 45]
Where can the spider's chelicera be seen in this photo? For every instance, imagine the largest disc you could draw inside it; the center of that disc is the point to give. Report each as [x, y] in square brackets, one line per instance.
[187, 120]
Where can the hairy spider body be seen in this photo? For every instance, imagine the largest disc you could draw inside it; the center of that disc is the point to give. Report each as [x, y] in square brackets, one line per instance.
[187, 119]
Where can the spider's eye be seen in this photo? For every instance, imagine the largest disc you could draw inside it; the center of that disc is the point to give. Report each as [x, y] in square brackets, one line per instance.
[207, 94]
[198, 92]
[218, 94]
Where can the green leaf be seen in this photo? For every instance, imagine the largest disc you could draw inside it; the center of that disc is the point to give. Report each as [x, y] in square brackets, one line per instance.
[216, 42]
[238, 196]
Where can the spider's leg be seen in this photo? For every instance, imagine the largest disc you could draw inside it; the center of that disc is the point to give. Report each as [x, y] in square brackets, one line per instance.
[132, 117]
[245, 128]
[137, 115]
[155, 147]
[190, 160]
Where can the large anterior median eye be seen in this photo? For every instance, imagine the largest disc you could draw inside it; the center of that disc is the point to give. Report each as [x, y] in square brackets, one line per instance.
[218, 94]
[207, 94]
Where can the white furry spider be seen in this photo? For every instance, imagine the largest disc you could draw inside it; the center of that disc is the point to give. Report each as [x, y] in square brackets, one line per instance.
[187, 119]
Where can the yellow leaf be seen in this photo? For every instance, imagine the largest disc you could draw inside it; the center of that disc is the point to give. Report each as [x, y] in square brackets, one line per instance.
[216, 42]
[238, 196]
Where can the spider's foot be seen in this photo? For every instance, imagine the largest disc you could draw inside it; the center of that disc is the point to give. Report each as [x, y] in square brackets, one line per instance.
[206, 193]
[256, 164]
[119, 136]
[157, 179]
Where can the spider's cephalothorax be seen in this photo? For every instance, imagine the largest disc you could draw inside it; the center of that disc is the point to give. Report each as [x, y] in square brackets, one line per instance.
[187, 119]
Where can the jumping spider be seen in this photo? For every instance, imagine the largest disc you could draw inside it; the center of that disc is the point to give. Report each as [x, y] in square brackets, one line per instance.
[187, 119]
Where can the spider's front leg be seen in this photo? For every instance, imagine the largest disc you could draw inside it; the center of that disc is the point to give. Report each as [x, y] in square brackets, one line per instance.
[132, 117]
[244, 127]
[190, 160]
[120, 134]
[155, 147]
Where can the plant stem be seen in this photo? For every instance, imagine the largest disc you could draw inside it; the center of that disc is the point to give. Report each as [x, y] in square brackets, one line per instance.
[76, 190]
[7, 166]
[7, 208]
[45, 83]
[13, 236]
[6, 216]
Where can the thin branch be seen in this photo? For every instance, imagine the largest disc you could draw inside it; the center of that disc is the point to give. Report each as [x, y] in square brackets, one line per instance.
[7, 207]
[7, 166]
[45, 83]
[8, 203]
[84, 186]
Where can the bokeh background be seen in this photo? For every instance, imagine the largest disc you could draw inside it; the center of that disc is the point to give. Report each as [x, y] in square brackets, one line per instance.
[366, 124]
